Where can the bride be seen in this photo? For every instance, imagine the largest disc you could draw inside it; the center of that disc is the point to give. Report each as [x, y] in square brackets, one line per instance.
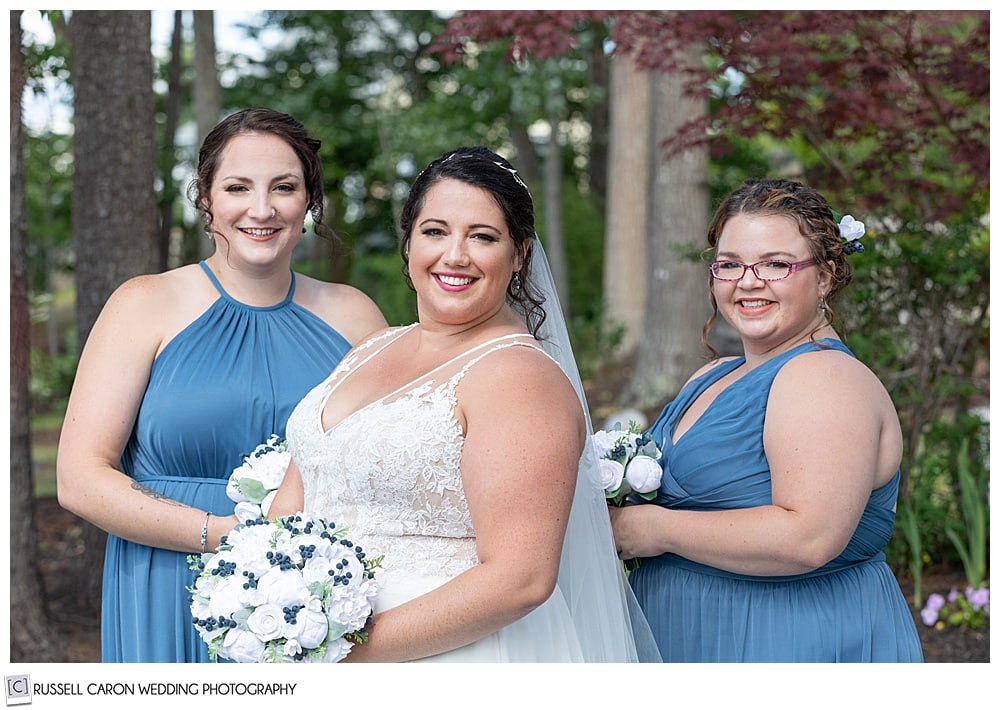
[457, 447]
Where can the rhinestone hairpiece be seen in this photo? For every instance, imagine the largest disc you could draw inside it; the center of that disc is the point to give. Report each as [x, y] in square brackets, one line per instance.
[512, 171]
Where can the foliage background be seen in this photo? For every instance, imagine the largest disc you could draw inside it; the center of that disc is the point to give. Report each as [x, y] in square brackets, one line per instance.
[888, 111]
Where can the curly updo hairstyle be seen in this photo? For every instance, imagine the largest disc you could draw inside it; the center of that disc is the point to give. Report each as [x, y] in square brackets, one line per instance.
[803, 205]
[260, 121]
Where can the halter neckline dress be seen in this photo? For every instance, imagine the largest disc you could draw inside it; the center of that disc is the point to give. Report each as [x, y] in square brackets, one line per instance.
[223, 385]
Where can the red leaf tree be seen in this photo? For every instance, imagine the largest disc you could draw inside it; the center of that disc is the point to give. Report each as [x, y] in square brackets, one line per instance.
[895, 104]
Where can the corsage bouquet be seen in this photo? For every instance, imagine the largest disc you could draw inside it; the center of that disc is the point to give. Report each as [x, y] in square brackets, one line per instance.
[629, 462]
[290, 590]
[252, 486]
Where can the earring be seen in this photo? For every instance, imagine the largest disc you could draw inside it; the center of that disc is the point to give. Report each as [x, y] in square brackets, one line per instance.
[516, 282]
[822, 305]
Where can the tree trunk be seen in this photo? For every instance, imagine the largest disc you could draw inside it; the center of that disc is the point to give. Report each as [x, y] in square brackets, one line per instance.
[208, 105]
[598, 67]
[31, 638]
[555, 239]
[625, 243]
[676, 299]
[114, 203]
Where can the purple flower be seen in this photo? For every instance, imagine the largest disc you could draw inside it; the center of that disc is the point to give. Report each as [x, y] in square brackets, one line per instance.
[929, 616]
[978, 598]
[935, 602]
[953, 595]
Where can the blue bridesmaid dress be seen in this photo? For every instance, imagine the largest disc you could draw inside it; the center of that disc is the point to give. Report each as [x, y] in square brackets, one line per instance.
[849, 610]
[219, 388]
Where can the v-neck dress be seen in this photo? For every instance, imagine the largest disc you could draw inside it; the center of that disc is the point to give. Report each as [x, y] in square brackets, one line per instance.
[391, 471]
[223, 385]
[849, 610]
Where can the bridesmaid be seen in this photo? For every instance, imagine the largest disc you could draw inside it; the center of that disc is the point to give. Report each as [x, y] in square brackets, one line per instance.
[186, 371]
[781, 467]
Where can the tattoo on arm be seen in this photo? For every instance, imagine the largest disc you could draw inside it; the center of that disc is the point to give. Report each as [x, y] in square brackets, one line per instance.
[145, 490]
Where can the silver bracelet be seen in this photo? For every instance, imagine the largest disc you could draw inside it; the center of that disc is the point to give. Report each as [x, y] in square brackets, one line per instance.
[204, 532]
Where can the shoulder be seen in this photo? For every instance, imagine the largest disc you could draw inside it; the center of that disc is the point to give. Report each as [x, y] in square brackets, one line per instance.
[146, 311]
[829, 375]
[164, 291]
[523, 387]
[825, 364]
[519, 370]
[345, 308]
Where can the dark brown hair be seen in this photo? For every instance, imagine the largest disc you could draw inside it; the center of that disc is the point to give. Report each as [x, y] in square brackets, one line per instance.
[264, 121]
[484, 169]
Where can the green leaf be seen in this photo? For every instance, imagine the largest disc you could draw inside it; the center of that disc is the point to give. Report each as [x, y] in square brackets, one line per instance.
[253, 489]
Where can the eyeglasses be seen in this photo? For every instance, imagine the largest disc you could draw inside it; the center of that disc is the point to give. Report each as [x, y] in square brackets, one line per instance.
[769, 270]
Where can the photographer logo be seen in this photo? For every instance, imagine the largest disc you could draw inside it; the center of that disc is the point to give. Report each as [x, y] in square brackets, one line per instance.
[18, 689]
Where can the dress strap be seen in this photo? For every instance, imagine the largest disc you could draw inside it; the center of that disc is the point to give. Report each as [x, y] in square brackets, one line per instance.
[501, 346]
[427, 376]
[496, 345]
[222, 291]
[354, 364]
[357, 357]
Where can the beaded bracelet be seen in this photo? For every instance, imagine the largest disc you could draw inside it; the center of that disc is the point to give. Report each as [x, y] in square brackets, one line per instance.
[204, 532]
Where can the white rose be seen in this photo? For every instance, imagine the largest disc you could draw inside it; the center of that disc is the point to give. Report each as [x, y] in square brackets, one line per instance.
[245, 510]
[317, 569]
[283, 587]
[310, 628]
[612, 473]
[226, 597]
[270, 468]
[267, 622]
[643, 474]
[242, 646]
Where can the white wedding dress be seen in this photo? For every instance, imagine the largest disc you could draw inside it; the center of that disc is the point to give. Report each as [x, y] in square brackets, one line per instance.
[391, 472]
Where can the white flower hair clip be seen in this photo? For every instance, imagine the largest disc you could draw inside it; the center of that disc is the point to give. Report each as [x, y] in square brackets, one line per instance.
[851, 231]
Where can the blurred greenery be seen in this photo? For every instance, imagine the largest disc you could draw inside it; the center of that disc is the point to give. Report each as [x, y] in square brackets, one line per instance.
[917, 310]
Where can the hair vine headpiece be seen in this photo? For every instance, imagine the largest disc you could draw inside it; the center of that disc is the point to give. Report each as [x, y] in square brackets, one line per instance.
[851, 231]
[512, 171]
[485, 154]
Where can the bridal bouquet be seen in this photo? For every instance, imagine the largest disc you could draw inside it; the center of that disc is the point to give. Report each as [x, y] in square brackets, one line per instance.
[253, 485]
[288, 590]
[629, 463]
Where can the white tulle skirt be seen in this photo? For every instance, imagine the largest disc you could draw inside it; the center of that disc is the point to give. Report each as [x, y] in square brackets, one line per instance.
[546, 635]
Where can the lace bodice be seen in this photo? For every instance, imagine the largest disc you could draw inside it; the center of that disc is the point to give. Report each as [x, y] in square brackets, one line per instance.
[391, 470]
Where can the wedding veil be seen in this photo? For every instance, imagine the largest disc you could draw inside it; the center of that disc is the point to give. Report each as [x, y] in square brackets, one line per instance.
[609, 623]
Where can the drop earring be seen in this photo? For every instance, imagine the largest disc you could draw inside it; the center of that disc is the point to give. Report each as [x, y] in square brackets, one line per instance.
[516, 281]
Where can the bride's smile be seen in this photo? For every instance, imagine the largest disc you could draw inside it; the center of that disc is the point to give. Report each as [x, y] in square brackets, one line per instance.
[461, 255]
